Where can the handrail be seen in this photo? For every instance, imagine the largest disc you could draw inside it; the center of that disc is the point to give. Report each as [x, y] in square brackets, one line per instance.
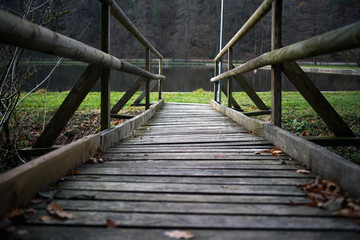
[16, 31]
[119, 14]
[264, 8]
[340, 39]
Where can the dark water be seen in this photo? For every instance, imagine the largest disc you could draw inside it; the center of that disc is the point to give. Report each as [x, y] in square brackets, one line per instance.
[188, 78]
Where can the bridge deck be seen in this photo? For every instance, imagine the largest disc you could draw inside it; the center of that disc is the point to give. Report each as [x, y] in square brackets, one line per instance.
[189, 168]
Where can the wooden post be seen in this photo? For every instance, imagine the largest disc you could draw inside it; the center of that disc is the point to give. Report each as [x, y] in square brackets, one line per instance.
[105, 74]
[160, 82]
[229, 89]
[276, 69]
[216, 72]
[147, 84]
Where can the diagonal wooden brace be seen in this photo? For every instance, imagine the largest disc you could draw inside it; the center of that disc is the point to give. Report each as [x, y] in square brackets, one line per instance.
[142, 96]
[232, 100]
[250, 92]
[69, 106]
[129, 93]
[316, 100]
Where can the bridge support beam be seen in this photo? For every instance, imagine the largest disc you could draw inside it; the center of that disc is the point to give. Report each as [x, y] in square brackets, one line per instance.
[68, 107]
[316, 100]
[129, 93]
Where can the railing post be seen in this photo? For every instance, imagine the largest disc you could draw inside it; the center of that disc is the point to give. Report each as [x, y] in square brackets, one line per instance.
[147, 85]
[105, 74]
[229, 87]
[160, 82]
[276, 69]
[216, 72]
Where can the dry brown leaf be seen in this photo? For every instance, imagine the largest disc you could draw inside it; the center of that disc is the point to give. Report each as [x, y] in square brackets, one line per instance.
[46, 218]
[110, 223]
[304, 171]
[180, 234]
[56, 210]
[347, 212]
[257, 153]
[224, 186]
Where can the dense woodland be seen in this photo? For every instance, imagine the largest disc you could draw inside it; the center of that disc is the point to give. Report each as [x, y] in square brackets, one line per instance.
[190, 28]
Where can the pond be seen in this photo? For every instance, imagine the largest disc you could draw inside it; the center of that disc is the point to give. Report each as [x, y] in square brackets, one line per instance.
[187, 79]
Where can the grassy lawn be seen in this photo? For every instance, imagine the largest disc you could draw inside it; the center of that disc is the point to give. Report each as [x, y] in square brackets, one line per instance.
[298, 116]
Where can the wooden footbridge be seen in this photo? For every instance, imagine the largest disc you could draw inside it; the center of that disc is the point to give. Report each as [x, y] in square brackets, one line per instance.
[182, 170]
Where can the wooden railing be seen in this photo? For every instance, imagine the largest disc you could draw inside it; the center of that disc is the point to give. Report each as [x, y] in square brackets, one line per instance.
[282, 60]
[18, 32]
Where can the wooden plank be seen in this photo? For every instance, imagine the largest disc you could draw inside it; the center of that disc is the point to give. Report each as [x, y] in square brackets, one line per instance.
[189, 208]
[193, 180]
[276, 190]
[75, 233]
[129, 93]
[203, 221]
[67, 109]
[193, 172]
[225, 164]
[177, 197]
[316, 100]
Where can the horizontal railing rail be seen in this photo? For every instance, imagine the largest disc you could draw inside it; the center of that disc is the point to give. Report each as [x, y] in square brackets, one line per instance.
[282, 60]
[264, 8]
[341, 39]
[18, 32]
[119, 14]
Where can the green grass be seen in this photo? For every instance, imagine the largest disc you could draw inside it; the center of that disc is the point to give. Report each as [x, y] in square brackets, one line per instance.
[297, 116]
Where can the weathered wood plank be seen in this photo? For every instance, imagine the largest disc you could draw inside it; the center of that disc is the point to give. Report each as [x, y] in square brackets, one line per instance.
[189, 208]
[193, 180]
[80, 233]
[177, 197]
[203, 221]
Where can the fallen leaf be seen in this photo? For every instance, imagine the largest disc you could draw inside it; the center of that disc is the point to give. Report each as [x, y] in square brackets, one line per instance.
[224, 186]
[110, 223]
[347, 212]
[180, 234]
[304, 171]
[37, 199]
[257, 153]
[56, 210]
[46, 218]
